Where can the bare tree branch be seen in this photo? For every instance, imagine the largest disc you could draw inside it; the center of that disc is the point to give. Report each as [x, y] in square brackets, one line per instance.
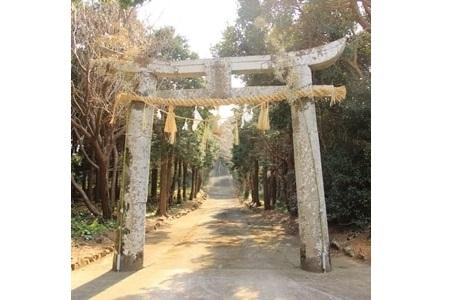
[91, 206]
[81, 128]
[84, 150]
[359, 17]
[353, 63]
[367, 6]
[119, 133]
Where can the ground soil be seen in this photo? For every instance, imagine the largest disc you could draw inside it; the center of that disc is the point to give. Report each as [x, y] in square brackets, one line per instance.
[223, 251]
[357, 239]
[85, 252]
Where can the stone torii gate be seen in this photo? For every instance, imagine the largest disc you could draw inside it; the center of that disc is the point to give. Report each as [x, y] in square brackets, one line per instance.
[313, 227]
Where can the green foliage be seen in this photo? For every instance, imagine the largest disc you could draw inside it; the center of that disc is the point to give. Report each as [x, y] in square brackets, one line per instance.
[131, 3]
[77, 165]
[87, 227]
[347, 178]
[245, 153]
[176, 48]
[268, 27]
[189, 144]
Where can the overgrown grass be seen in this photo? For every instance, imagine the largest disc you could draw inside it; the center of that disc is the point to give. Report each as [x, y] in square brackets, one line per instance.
[88, 227]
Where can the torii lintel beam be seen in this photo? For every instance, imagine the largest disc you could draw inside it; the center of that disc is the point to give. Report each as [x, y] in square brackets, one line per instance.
[316, 58]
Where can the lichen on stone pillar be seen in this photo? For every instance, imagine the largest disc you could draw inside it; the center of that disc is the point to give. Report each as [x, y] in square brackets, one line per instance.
[313, 227]
[218, 79]
[129, 250]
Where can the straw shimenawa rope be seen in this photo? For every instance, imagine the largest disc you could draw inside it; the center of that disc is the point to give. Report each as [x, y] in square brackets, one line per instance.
[336, 94]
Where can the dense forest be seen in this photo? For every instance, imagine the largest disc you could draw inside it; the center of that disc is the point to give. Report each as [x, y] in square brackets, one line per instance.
[262, 164]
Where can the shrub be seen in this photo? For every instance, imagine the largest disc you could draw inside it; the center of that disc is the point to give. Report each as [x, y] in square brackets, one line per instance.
[87, 227]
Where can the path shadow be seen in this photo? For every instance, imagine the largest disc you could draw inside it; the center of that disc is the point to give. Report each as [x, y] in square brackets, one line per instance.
[99, 284]
[238, 247]
[157, 236]
[110, 278]
[249, 257]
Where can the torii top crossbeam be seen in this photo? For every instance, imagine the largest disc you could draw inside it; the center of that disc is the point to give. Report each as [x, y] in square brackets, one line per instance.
[218, 72]
[316, 58]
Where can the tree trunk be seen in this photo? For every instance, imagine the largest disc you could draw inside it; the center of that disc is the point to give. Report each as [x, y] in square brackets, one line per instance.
[273, 189]
[194, 171]
[246, 186]
[85, 180]
[164, 160]
[198, 181]
[170, 173]
[154, 186]
[102, 184]
[291, 194]
[184, 180]
[91, 206]
[283, 189]
[291, 191]
[97, 197]
[162, 210]
[278, 186]
[114, 178]
[266, 189]
[174, 182]
[91, 182]
[255, 188]
[180, 166]
[282, 183]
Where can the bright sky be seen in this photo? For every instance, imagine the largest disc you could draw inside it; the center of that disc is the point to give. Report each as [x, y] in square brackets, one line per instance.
[201, 22]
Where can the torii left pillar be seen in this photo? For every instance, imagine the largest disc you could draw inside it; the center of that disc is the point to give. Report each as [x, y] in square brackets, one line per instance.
[130, 240]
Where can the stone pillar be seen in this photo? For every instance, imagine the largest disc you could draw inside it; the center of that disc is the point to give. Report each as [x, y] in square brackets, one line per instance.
[313, 227]
[130, 240]
[218, 79]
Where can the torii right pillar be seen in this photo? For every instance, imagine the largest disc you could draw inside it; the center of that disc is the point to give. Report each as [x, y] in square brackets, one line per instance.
[313, 227]
[312, 215]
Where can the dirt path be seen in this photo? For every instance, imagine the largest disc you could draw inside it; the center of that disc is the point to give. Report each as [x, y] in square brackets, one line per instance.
[222, 251]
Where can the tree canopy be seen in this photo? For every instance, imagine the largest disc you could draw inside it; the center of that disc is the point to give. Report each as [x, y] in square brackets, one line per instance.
[107, 34]
[275, 26]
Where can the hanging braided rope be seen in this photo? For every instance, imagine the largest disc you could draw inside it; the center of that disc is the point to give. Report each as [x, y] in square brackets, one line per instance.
[336, 94]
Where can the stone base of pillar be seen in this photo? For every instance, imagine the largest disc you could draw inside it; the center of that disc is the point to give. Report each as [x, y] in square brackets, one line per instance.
[128, 263]
[315, 264]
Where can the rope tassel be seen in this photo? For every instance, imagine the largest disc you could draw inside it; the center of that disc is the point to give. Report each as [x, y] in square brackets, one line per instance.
[171, 126]
[263, 118]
